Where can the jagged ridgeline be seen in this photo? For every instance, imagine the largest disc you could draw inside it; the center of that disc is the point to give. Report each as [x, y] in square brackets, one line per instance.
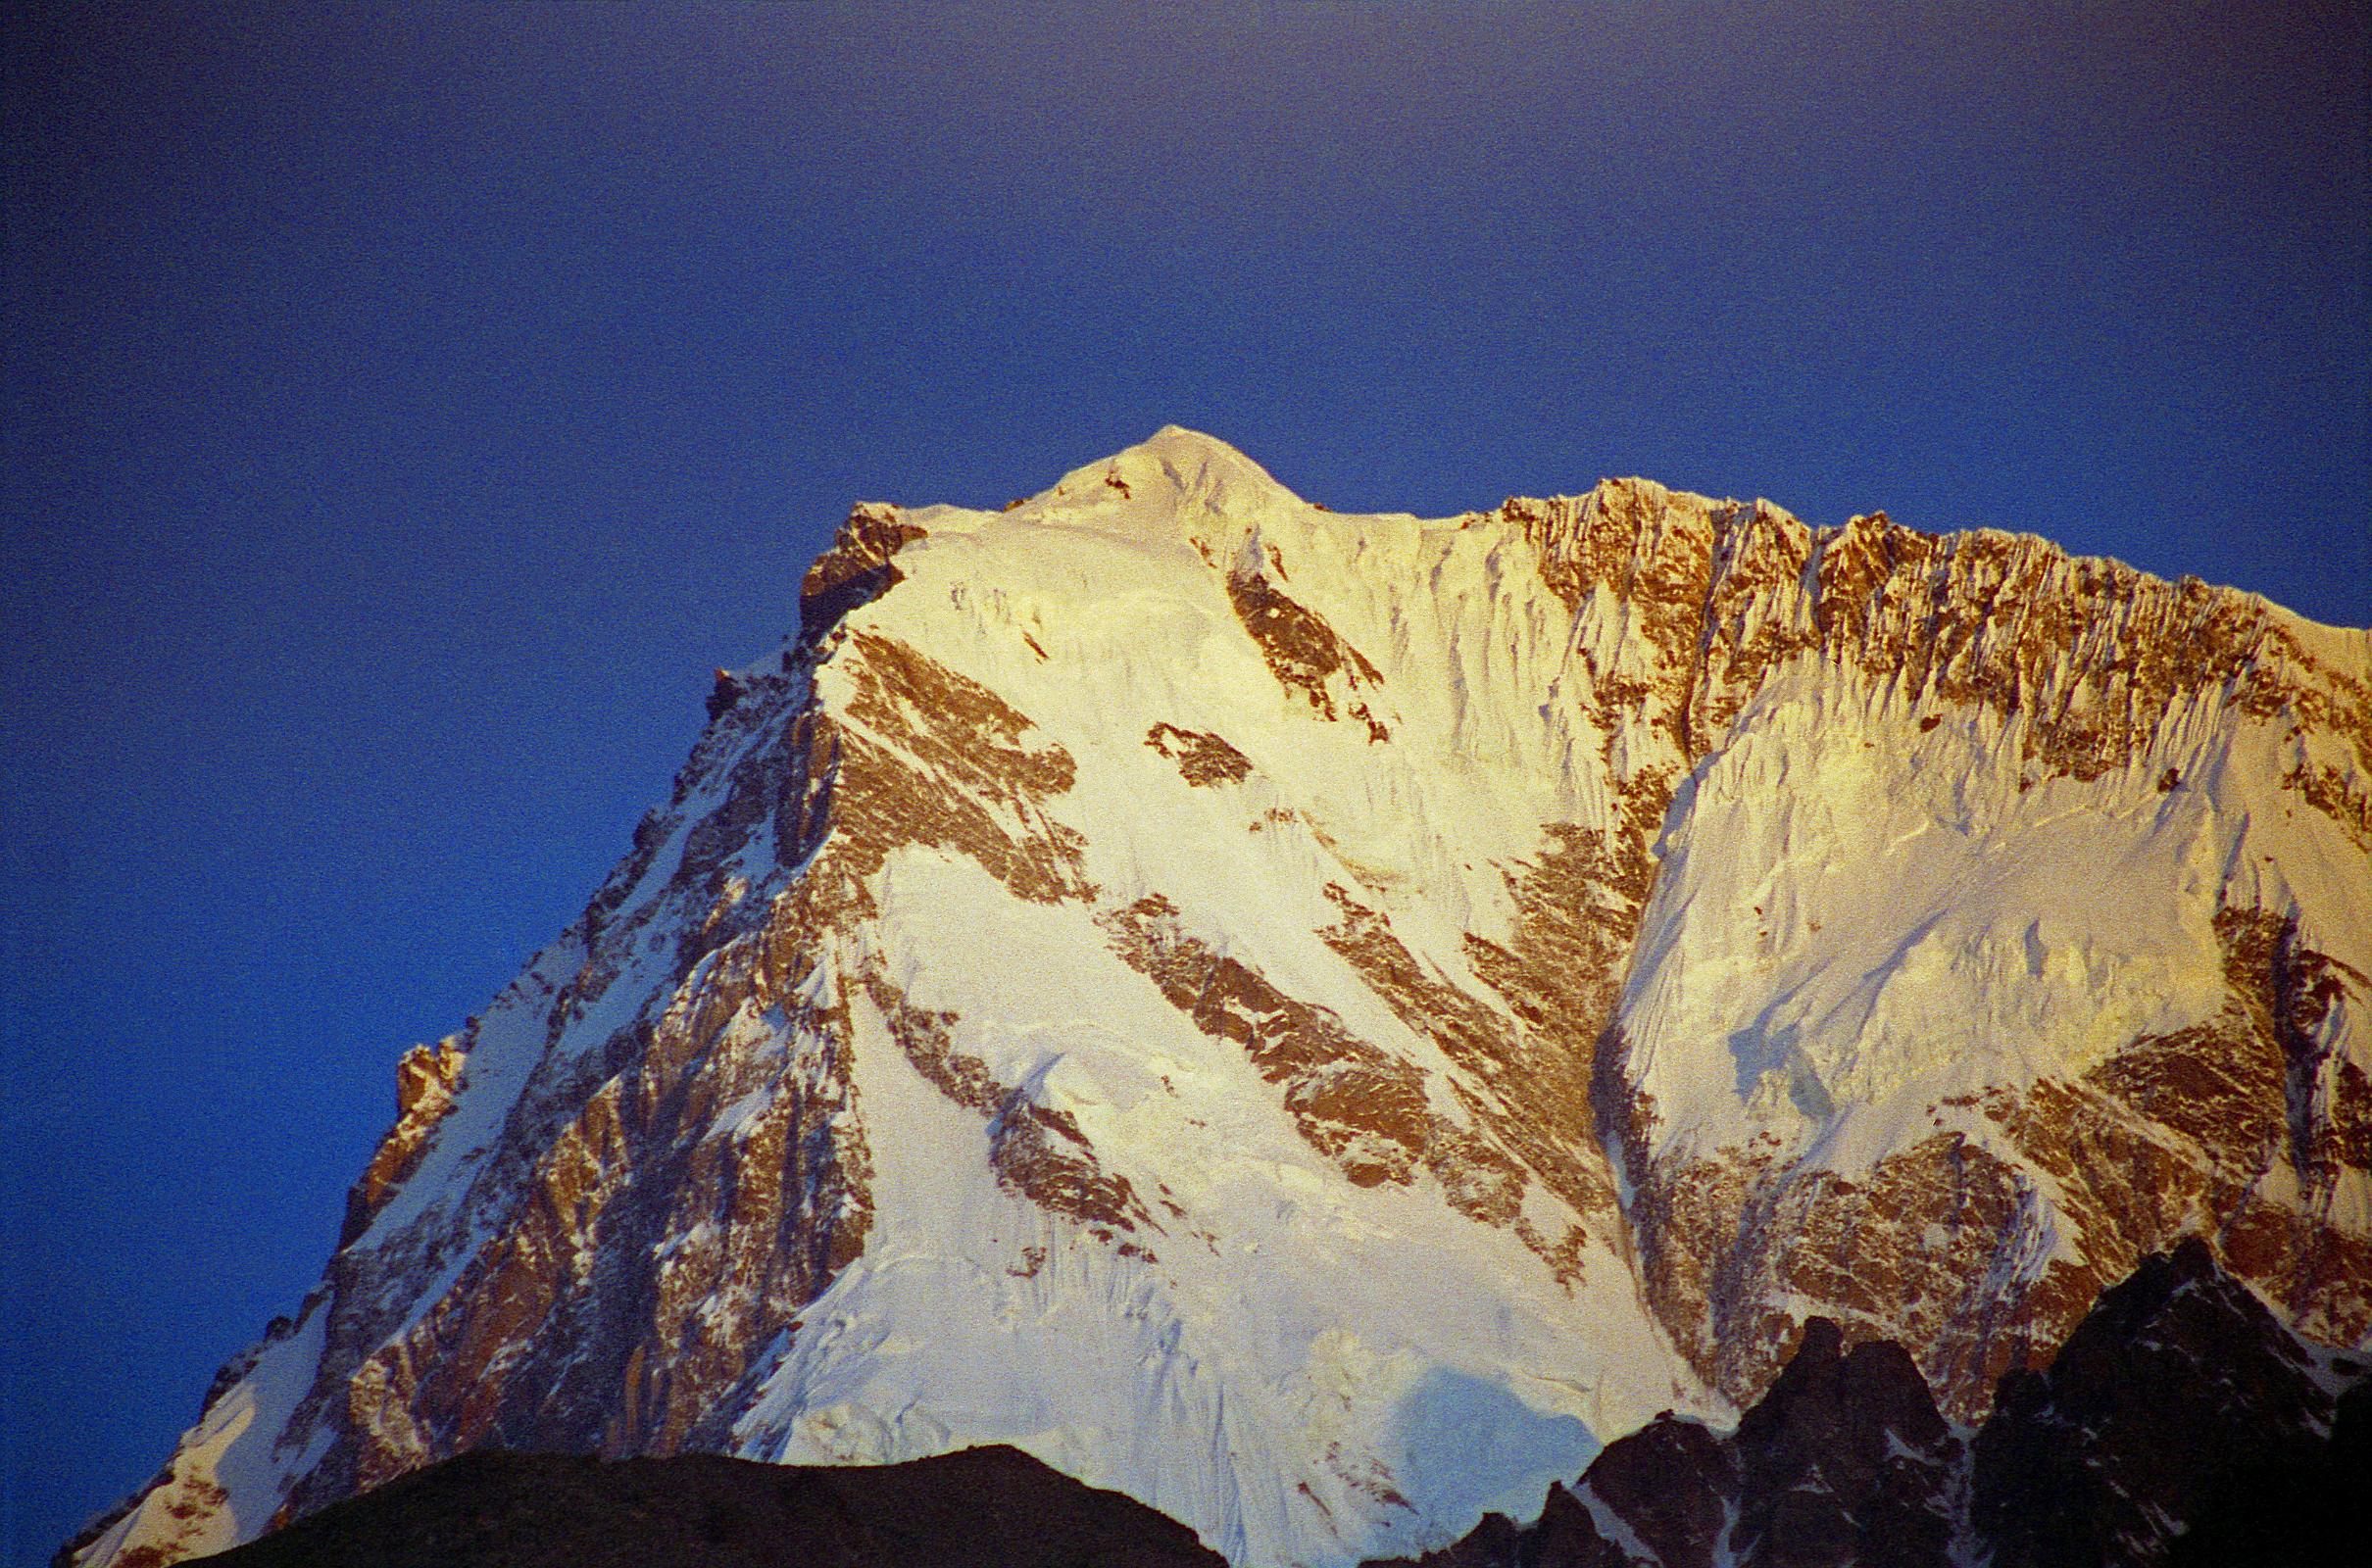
[2180, 1425]
[1235, 1000]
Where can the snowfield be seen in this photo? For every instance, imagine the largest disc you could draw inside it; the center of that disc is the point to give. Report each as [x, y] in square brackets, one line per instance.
[1322, 1022]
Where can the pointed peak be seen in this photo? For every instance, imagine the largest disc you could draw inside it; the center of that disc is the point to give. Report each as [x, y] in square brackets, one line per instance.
[1179, 440]
[1186, 449]
[1173, 471]
[1630, 484]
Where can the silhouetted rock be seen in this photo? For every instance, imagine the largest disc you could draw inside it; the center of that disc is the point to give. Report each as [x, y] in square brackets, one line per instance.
[1844, 1461]
[1671, 1481]
[2302, 1514]
[2182, 1424]
[2178, 1385]
[1564, 1535]
[992, 1507]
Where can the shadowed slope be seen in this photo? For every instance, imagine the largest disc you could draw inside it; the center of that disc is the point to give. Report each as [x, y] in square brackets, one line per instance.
[992, 1507]
[2182, 1424]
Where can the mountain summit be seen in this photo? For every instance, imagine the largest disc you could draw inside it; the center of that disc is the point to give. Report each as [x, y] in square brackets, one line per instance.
[1174, 469]
[1322, 1022]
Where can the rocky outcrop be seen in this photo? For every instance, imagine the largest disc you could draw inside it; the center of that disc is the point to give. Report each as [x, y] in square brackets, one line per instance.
[2180, 1424]
[424, 1081]
[1201, 758]
[1999, 685]
[2283, 1513]
[1845, 1461]
[1231, 994]
[1305, 654]
[2178, 1384]
[856, 570]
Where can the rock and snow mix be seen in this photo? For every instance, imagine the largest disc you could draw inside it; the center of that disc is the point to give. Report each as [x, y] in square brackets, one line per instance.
[1237, 999]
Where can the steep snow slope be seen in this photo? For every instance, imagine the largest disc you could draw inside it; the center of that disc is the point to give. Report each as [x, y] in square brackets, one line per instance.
[2014, 925]
[1225, 995]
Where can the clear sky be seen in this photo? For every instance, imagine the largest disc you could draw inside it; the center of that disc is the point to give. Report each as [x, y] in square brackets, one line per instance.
[407, 407]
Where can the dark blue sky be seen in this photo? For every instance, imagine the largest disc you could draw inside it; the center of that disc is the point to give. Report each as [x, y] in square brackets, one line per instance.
[405, 409]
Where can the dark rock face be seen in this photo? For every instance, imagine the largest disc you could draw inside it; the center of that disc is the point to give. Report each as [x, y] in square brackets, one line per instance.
[990, 1507]
[2181, 1425]
[2318, 1512]
[2177, 1386]
[1844, 1461]
[1671, 1483]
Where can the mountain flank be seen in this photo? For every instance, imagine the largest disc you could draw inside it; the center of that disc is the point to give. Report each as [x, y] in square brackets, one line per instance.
[1235, 999]
[2182, 1425]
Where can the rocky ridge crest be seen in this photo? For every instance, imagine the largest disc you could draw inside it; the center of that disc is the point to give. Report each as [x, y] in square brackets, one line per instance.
[2145, 1441]
[1669, 922]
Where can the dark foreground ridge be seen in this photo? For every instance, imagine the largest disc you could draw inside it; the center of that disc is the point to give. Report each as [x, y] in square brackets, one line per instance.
[2180, 1425]
[994, 1507]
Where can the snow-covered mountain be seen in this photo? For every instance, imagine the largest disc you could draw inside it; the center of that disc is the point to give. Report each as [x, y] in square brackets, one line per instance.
[1321, 1022]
